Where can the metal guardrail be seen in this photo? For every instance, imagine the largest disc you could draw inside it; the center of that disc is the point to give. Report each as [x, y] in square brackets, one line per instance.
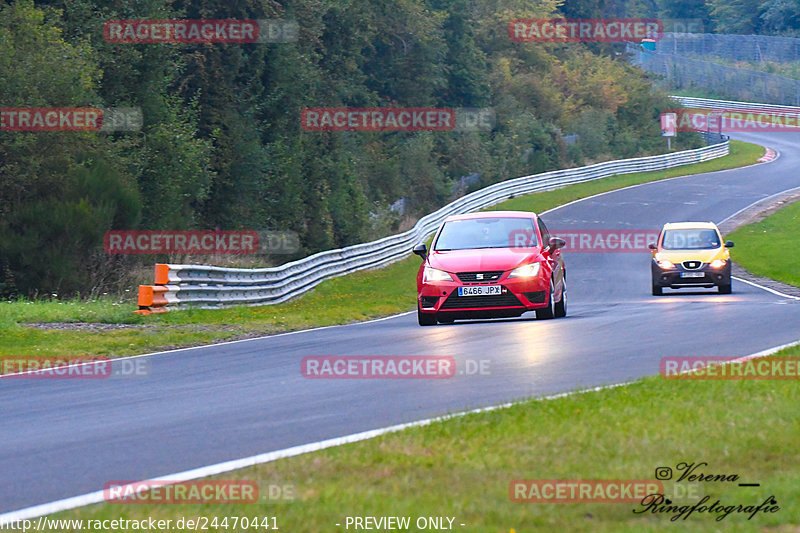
[731, 105]
[705, 103]
[215, 287]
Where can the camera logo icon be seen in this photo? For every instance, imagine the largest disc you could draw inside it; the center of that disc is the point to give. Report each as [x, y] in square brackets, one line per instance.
[663, 473]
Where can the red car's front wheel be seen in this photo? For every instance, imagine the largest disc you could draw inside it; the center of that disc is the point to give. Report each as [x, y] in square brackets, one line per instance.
[560, 306]
[425, 319]
[547, 312]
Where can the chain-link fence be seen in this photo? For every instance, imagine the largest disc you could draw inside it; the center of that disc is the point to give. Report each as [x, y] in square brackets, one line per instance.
[681, 73]
[734, 47]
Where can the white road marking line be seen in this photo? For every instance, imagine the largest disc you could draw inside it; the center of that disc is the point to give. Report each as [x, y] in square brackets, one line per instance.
[756, 202]
[97, 496]
[773, 291]
[236, 464]
[390, 316]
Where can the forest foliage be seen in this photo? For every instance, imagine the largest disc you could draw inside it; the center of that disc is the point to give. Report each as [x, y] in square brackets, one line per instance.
[221, 145]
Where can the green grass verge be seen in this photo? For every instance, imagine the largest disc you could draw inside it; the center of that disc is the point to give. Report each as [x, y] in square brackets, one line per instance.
[358, 296]
[769, 248]
[462, 467]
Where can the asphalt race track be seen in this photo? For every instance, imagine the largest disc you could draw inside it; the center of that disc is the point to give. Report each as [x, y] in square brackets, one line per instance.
[62, 438]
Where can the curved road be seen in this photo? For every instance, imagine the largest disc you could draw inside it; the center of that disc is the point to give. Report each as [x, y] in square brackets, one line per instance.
[62, 438]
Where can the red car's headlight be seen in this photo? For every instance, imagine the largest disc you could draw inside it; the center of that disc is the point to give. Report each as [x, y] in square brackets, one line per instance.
[433, 274]
[526, 271]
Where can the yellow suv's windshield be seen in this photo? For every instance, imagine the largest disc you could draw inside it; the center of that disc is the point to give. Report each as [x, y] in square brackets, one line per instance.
[690, 239]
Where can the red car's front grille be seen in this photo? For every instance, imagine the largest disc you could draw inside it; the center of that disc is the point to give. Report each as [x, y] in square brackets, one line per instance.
[454, 301]
[479, 277]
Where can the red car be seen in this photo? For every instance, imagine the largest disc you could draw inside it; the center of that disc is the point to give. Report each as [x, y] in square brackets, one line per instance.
[489, 265]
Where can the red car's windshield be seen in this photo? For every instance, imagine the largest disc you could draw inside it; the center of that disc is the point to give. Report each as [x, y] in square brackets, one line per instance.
[500, 232]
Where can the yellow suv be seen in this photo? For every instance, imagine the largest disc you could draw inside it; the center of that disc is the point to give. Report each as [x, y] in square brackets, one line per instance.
[691, 254]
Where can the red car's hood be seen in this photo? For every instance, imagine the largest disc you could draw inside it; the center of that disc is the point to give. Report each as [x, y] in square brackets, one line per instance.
[482, 259]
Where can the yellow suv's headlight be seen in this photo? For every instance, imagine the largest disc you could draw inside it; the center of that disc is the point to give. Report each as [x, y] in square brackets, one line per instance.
[525, 271]
[718, 263]
[663, 263]
[433, 274]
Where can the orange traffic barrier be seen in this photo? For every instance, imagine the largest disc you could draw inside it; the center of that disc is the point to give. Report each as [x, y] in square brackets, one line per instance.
[162, 274]
[152, 299]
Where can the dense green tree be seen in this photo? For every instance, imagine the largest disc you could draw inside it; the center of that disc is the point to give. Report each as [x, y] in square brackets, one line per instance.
[780, 16]
[687, 9]
[221, 144]
[735, 16]
[466, 64]
[59, 191]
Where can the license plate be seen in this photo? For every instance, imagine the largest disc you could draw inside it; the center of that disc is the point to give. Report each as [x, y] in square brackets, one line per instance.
[692, 275]
[480, 290]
